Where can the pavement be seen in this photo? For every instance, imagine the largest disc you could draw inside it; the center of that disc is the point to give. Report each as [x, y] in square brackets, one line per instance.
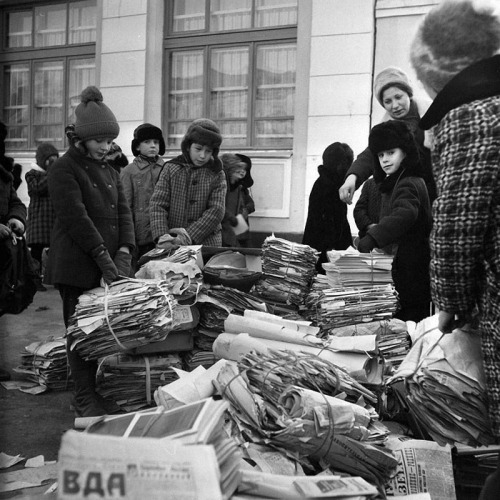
[31, 425]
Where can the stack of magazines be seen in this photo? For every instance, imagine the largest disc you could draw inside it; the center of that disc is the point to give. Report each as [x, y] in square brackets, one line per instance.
[45, 364]
[131, 380]
[127, 314]
[288, 269]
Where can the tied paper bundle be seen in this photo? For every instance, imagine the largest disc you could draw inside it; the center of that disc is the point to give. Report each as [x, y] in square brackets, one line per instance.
[446, 387]
[336, 308]
[350, 268]
[127, 314]
[45, 364]
[131, 380]
[307, 422]
[288, 269]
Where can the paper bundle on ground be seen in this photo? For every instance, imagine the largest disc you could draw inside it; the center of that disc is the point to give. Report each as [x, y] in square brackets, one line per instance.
[127, 314]
[130, 381]
[97, 466]
[201, 422]
[45, 364]
[313, 426]
[446, 387]
[288, 269]
[364, 367]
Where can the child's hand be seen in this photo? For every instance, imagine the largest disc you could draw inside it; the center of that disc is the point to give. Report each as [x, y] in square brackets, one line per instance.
[181, 236]
[233, 221]
[16, 226]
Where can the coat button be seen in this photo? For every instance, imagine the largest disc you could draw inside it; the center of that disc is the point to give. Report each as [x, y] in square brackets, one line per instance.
[195, 182]
[95, 185]
[192, 202]
[109, 186]
[112, 206]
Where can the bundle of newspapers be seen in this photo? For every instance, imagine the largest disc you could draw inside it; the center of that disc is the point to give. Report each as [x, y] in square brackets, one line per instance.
[332, 307]
[131, 380]
[350, 268]
[127, 314]
[277, 401]
[45, 363]
[288, 269]
[446, 385]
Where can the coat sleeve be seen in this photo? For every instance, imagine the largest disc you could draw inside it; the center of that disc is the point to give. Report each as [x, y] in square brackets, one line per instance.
[125, 220]
[362, 167]
[466, 206]
[17, 209]
[126, 181]
[37, 183]
[361, 211]
[214, 213]
[159, 204]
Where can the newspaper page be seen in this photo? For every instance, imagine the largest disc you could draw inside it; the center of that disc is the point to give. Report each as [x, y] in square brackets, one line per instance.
[423, 467]
[97, 466]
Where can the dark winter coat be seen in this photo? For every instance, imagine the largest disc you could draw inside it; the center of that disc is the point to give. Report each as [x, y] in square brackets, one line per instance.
[363, 165]
[465, 240]
[41, 213]
[327, 227]
[367, 209]
[234, 205]
[91, 210]
[11, 207]
[404, 226]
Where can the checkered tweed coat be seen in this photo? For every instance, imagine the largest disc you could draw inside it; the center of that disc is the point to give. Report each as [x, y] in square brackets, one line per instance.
[465, 241]
[41, 215]
[189, 197]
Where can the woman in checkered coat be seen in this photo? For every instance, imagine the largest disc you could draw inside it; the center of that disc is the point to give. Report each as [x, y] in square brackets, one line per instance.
[462, 73]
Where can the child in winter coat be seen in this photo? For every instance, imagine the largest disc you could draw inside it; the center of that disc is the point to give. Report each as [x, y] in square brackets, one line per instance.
[93, 234]
[139, 179]
[366, 213]
[405, 216]
[327, 227]
[41, 214]
[188, 201]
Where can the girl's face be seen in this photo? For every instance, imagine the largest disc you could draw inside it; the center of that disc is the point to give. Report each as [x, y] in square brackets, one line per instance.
[149, 148]
[390, 160]
[396, 102]
[97, 149]
[200, 154]
[236, 175]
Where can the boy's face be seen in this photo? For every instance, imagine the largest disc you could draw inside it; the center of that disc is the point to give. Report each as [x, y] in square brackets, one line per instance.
[97, 149]
[149, 148]
[200, 154]
[390, 160]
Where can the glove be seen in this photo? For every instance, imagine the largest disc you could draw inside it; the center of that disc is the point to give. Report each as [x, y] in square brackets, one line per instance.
[166, 242]
[16, 226]
[181, 236]
[123, 261]
[105, 263]
[233, 221]
[366, 244]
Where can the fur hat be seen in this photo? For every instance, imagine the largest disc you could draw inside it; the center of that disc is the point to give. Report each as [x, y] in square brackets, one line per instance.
[391, 77]
[144, 132]
[452, 36]
[205, 132]
[231, 162]
[390, 135]
[338, 155]
[44, 151]
[94, 120]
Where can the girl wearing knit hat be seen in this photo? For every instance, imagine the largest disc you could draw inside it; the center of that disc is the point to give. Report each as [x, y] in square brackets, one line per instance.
[187, 205]
[93, 233]
[40, 211]
[456, 55]
[405, 216]
[394, 92]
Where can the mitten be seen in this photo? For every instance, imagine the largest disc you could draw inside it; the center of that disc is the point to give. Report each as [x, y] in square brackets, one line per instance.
[123, 261]
[233, 221]
[181, 236]
[106, 265]
[166, 242]
[366, 244]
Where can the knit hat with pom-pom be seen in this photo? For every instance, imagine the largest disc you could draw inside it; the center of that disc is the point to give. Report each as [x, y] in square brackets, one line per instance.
[94, 120]
[205, 132]
[452, 36]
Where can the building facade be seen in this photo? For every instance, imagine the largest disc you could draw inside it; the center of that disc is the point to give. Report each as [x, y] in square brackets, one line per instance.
[282, 78]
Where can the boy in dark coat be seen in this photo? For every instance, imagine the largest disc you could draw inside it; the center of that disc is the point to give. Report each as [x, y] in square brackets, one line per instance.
[327, 227]
[405, 216]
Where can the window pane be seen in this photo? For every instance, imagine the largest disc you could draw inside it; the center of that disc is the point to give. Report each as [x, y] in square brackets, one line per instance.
[275, 90]
[48, 103]
[230, 14]
[20, 26]
[274, 133]
[189, 15]
[81, 75]
[50, 25]
[275, 13]
[229, 93]
[185, 97]
[16, 110]
[82, 22]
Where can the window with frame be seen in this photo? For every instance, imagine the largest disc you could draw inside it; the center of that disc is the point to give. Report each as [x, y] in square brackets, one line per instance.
[233, 61]
[48, 58]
